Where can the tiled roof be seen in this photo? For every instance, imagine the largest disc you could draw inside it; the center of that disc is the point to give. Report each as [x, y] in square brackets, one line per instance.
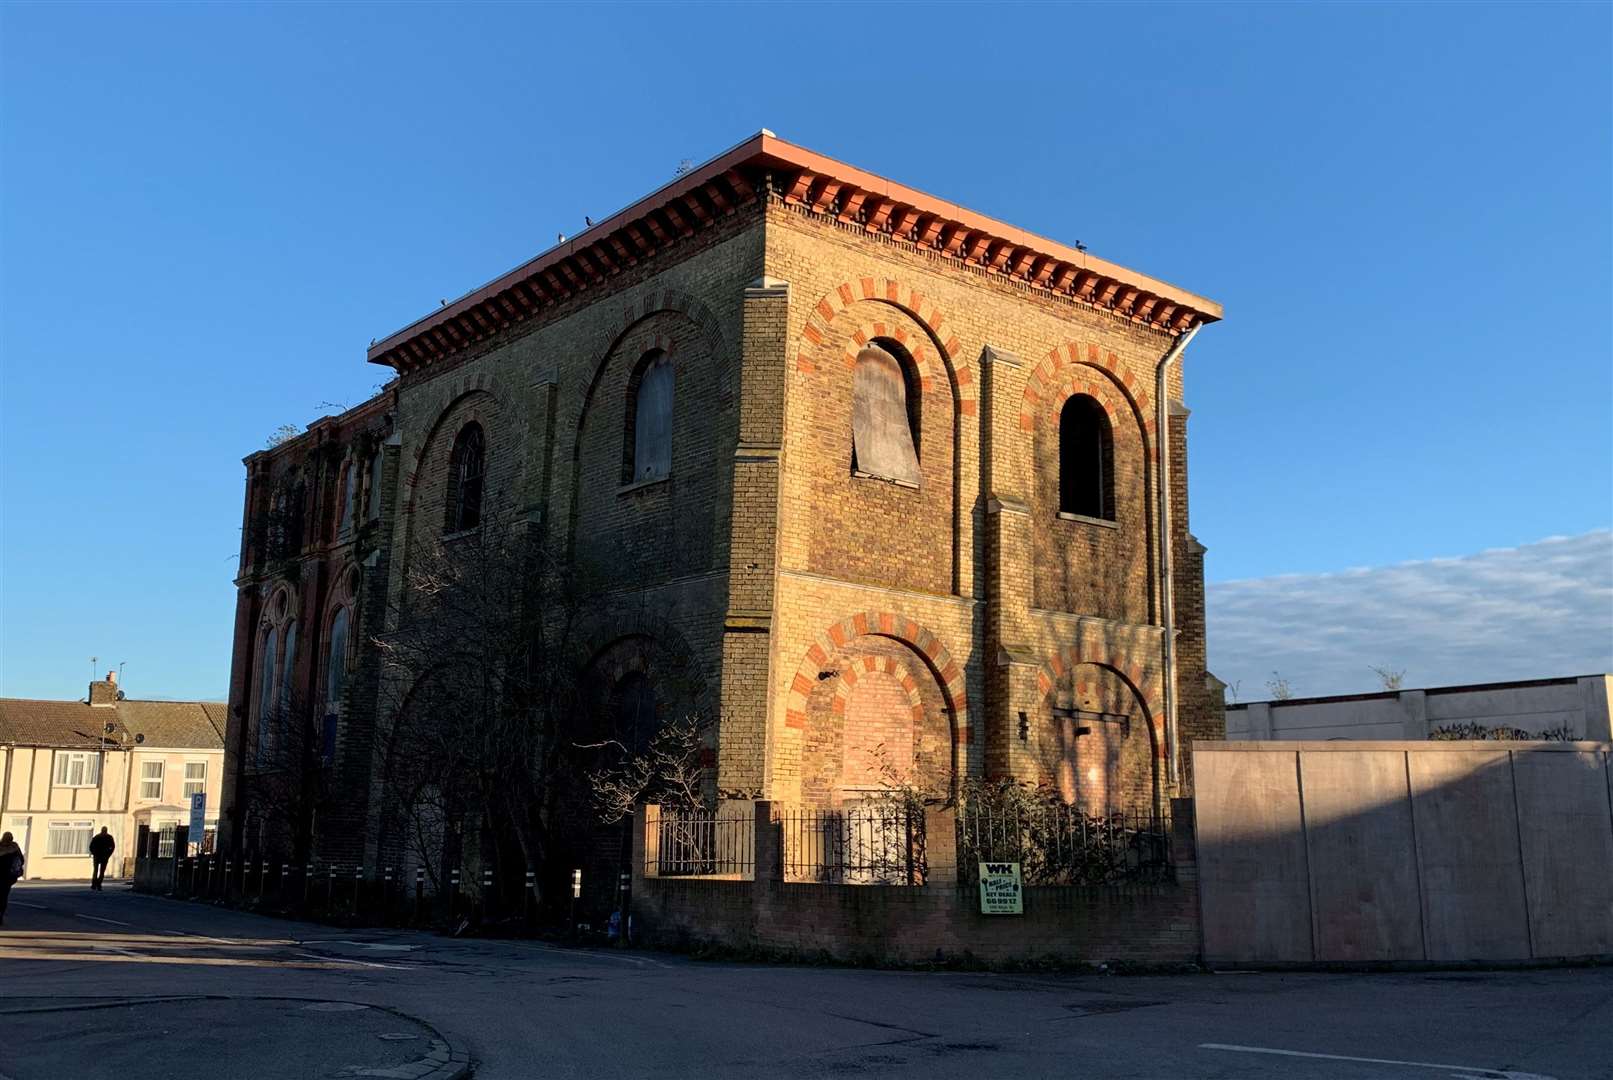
[189, 725]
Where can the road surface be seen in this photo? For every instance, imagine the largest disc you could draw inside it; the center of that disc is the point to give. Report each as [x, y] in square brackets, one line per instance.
[115, 984]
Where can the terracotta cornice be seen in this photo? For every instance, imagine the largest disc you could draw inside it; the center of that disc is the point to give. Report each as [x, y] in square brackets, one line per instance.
[767, 165]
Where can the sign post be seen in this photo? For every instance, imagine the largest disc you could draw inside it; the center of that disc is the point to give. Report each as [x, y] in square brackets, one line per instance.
[1001, 890]
[198, 813]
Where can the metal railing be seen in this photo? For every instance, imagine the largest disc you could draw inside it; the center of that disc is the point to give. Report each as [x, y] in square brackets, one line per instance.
[1062, 845]
[860, 845]
[716, 843]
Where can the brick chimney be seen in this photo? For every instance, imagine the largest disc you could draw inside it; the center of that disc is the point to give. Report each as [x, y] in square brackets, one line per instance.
[105, 692]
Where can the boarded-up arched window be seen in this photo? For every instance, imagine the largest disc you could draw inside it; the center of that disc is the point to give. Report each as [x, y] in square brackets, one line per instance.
[885, 399]
[1086, 459]
[650, 418]
[466, 472]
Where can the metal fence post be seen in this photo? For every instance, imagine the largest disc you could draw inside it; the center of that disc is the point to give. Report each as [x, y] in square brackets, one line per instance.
[453, 894]
[386, 896]
[307, 885]
[358, 887]
[528, 897]
[419, 892]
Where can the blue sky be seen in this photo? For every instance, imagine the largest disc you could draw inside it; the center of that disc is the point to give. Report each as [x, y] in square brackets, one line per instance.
[207, 212]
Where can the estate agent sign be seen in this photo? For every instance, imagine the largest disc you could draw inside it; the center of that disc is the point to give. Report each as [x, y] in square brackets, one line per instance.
[1001, 891]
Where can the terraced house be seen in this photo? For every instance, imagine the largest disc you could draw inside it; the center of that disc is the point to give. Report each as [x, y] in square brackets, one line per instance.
[903, 487]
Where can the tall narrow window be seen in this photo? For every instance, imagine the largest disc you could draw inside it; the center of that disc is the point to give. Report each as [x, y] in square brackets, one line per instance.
[348, 491]
[336, 662]
[885, 399]
[375, 484]
[195, 778]
[288, 658]
[466, 472]
[1086, 459]
[652, 419]
[271, 682]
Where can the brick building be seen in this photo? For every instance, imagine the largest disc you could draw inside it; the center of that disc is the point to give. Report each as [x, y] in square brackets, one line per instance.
[873, 478]
[298, 751]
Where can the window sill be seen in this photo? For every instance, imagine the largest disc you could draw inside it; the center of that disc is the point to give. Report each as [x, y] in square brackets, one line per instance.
[858, 474]
[1104, 523]
[643, 485]
[449, 538]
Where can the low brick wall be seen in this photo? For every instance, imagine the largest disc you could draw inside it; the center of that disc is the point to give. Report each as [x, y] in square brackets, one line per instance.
[940, 920]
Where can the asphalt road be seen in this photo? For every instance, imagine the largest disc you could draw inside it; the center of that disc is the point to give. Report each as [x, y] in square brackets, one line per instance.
[118, 985]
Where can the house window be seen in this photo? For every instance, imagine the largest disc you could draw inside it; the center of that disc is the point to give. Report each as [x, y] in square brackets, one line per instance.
[336, 662]
[78, 768]
[68, 837]
[195, 778]
[466, 473]
[650, 419]
[151, 779]
[1086, 459]
[885, 403]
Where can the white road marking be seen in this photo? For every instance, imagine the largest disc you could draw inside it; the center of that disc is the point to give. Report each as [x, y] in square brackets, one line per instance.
[1492, 1074]
[97, 918]
[36, 907]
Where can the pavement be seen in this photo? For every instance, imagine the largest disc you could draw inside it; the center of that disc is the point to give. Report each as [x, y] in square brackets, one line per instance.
[115, 984]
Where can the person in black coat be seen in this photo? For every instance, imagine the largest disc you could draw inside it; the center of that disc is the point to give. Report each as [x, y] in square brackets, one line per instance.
[101, 849]
[11, 865]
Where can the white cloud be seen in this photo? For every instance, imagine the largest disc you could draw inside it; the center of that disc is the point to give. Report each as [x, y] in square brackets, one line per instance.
[1531, 612]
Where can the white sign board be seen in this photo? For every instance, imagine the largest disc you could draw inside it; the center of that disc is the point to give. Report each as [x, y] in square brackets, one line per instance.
[1001, 890]
[198, 813]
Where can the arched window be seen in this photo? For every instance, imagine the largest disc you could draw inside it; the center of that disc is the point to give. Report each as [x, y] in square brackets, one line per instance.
[885, 403]
[466, 473]
[336, 662]
[650, 418]
[1086, 459]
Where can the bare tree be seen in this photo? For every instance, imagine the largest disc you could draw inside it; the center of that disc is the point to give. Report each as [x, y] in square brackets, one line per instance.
[479, 678]
[1279, 687]
[667, 771]
[282, 781]
[1389, 677]
[282, 434]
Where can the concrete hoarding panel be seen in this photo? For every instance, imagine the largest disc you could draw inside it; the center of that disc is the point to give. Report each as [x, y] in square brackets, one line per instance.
[1467, 847]
[1251, 847]
[1364, 894]
[1566, 833]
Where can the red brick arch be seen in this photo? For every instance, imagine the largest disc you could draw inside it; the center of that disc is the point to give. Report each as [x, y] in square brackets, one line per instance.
[1131, 672]
[908, 299]
[1084, 368]
[946, 670]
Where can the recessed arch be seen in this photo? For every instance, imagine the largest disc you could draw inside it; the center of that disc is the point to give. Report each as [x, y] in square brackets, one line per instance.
[1082, 367]
[915, 304]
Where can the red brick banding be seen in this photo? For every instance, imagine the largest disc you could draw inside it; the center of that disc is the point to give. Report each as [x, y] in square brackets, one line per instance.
[914, 303]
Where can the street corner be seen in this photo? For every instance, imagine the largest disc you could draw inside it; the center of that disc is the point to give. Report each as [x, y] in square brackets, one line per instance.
[205, 1037]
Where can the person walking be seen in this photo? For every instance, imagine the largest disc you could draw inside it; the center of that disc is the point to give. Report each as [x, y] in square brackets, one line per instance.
[11, 867]
[101, 849]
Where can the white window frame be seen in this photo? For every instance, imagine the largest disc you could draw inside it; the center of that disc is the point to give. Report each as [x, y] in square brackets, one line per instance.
[53, 828]
[147, 777]
[194, 784]
[85, 763]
